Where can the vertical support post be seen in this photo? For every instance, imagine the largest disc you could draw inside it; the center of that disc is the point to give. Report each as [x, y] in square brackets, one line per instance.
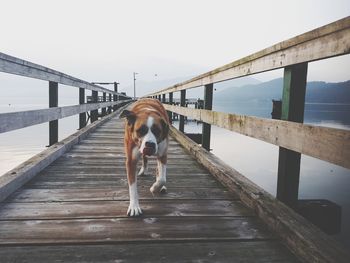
[53, 102]
[109, 99]
[293, 104]
[82, 116]
[208, 105]
[94, 113]
[170, 114]
[115, 98]
[182, 104]
[104, 112]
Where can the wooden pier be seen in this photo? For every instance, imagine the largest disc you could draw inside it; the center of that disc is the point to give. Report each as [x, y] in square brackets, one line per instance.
[75, 210]
[69, 203]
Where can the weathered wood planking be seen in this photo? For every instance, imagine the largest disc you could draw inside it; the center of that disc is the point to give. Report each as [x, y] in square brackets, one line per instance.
[17, 120]
[146, 229]
[82, 197]
[13, 65]
[113, 209]
[328, 144]
[254, 251]
[308, 242]
[327, 41]
[30, 195]
[15, 178]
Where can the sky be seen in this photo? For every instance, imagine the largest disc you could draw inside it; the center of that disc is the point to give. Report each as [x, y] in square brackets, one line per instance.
[108, 40]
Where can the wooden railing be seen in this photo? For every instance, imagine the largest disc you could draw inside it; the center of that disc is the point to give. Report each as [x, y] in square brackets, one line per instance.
[290, 134]
[293, 137]
[17, 120]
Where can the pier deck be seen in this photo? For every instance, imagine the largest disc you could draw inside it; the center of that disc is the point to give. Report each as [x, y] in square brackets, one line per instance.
[75, 210]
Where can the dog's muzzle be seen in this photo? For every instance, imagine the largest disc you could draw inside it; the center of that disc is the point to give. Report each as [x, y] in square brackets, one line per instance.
[150, 148]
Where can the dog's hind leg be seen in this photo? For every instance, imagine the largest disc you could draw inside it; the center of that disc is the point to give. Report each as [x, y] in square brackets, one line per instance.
[143, 170]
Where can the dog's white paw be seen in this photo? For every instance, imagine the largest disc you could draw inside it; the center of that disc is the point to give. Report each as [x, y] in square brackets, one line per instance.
[158, 187]
[134, 210]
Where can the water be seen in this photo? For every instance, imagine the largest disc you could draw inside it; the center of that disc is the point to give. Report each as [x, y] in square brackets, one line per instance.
[255, 159]
[19, 145]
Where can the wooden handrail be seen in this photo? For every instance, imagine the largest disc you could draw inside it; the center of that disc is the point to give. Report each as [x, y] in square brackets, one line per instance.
[328, 144]
[13, 65]
[21, 119]
[324, 42]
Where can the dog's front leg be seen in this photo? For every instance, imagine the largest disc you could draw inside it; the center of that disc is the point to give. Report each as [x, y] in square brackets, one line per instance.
[159, 185]
[131, 163]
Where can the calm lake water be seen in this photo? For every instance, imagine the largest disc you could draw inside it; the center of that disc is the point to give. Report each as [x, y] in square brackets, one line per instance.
[253, 158]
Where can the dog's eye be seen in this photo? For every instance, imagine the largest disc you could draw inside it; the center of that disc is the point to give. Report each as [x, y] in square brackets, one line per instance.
[142, 130]
[155, 130]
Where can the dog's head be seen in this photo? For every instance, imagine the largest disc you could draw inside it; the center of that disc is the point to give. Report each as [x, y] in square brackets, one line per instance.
[147, 130]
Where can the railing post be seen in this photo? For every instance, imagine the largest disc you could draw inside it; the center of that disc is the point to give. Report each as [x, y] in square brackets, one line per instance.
[293, 104]
[82, 116]
[53, 102]
[170, 114]
[109, 99]
[94, 113]
[104, 111]
[208, 105]
[182, 104]
[115, 98]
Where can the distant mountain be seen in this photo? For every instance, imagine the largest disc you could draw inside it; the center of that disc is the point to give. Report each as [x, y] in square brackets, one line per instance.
[316, 92]
[144, 88]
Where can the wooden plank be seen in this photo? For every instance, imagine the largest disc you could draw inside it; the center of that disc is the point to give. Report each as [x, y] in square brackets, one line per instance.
[104, 110]
[117, 193]
[110, 184]
[109, 170]
[208, 105]
[15, 178]
[21, 119]
[94, 113]
[293, 104]
[135, 229]
[300, 236]
[82, 116]
[324, 42]
[328, 144]
[182, 104]
[253, 251]
[115, 156]
[13, 65]
[53, 103]
[114, 209]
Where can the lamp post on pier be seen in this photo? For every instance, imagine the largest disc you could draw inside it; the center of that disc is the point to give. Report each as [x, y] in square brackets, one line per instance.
[135, 73]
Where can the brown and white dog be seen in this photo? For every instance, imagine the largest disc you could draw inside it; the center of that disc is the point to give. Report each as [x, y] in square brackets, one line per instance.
[146, 134]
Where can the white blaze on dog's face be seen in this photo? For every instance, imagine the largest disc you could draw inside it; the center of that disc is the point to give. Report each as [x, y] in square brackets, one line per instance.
[149, 143]
[148, 130]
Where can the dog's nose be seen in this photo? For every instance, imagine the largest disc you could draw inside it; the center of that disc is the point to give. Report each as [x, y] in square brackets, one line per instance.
[150, 145]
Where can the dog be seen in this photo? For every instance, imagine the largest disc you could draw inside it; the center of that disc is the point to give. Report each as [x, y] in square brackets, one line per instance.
[146, 134]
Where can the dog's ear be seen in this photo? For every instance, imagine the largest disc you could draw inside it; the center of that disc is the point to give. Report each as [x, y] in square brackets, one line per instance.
[129, 115]
[165, 127]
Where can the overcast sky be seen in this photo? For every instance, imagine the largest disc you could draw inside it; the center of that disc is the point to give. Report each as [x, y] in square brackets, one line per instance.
[108, 40]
